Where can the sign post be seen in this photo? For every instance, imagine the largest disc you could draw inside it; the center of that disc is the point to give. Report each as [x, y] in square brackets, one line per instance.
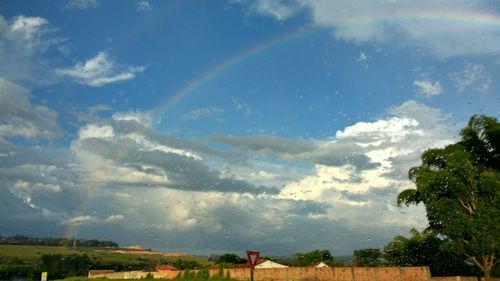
[253, 256]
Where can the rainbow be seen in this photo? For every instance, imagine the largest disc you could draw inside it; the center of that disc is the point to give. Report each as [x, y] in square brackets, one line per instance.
[449, 17]
[214, 71]
[482, 19]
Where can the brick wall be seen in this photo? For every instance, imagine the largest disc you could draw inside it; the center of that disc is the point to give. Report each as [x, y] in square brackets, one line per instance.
[460, 278]
[332, 273]
[302, 274]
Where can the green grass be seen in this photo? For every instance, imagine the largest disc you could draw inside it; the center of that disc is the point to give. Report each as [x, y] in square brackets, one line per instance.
[31, 254]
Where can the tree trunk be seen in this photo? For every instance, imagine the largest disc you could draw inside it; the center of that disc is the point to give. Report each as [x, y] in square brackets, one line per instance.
[487, 276]
[485, 264]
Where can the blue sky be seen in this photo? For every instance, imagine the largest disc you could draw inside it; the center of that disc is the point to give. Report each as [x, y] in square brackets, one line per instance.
[292, 127]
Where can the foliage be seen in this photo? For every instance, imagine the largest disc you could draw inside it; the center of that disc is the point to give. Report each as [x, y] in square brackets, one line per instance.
[231, 258]
[313, 257]
[201, 275]
[49, 241]
[25, 261]
[185, 264]
[369, 257]
[61, 266]
[460, 188]
[427, 249]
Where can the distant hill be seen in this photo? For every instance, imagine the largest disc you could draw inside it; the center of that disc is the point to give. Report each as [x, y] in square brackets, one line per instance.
[51, 241]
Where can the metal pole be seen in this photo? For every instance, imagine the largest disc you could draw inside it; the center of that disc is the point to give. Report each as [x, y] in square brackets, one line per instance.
[251, 273]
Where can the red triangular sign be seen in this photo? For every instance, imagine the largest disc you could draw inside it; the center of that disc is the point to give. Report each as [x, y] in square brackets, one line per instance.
[253, 256]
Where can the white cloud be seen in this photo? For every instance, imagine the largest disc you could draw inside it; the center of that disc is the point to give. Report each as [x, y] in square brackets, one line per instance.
[24, 42]
[36, 187]
[20, 118]
[81, 4]
[473, 77]
[278, 9]
[427, 89]
[29, 29]
[401, 23]
[126, 152]
[241, 105]
[144, 6]
[146, 184]
[86, 219]
[115, 218]
[362, 57]
[142, 117]
[99, 71]
[95, 131]
[205, 112]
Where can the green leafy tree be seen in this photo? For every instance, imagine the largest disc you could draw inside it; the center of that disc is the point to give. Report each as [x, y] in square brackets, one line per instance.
[315, 256]
[427, 249]
[460, 188]
[369, 257]
[230, 258]
[59, 266]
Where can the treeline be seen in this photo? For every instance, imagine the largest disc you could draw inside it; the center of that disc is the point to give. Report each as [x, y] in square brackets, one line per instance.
[311, 258]
[50, 241]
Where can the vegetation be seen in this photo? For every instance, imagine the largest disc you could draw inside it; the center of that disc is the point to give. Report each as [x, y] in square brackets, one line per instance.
[460, 188]
[314, 257]
[367, 257]
[50, 241]
[230, 258]
[18, 261]
[427, 249]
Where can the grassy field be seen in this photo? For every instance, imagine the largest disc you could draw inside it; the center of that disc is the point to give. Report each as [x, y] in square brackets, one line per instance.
[33, 253]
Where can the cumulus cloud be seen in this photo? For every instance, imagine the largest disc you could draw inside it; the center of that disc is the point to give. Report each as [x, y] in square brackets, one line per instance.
[138, 182]
[359, 158]
[330, 153]
[144, 118]
[20, 118]
[38, 185]
[24, 41]
[474, 77]
[81, 4]
[122, 151]
[99, 71]
[357, 173]
[427, 89]
[385, 21]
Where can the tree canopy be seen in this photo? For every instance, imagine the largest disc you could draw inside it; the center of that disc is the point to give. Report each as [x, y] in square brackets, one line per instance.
[313, 257]
[425, 248]
[460, 188]
[231, 258]
[367, 257]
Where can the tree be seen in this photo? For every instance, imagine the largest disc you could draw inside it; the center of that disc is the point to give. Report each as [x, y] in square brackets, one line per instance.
[231, 259]
[460, 188]
[367, 257]
[426, 249]
[315, 256]
[59, 266]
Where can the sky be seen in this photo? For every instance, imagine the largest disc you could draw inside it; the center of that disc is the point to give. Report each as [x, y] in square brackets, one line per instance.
[222, 126]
